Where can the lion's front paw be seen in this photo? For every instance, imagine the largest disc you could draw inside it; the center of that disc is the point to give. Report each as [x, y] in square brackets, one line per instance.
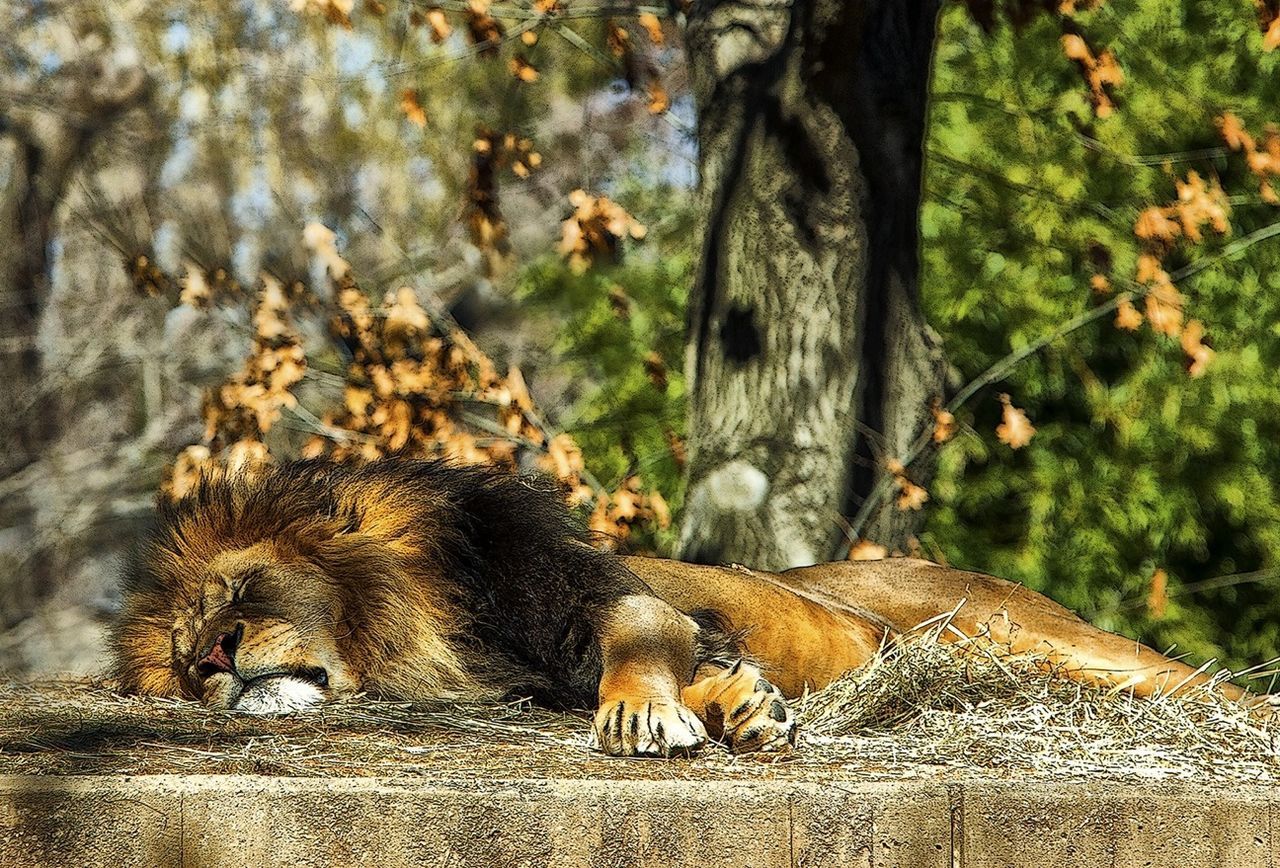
[648, 727]
[745, 709]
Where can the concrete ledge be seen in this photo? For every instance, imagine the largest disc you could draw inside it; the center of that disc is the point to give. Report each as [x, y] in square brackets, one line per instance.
[206, 820]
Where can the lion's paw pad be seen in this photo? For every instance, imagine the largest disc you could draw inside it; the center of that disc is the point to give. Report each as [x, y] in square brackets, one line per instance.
[746, 710]
[761, 721]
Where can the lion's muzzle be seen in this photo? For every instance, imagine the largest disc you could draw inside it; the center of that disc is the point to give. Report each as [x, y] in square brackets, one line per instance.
[278, 694]
[234, 673]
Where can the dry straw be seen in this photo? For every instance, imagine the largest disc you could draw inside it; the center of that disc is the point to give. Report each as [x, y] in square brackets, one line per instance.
[920, 709]
[972, 705]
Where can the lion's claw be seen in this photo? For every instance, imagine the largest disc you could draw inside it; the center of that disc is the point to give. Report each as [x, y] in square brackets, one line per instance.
[648, 727]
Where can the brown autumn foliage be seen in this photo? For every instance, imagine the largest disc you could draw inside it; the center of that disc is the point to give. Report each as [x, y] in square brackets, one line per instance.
[1015, 429]
[638, 66]
[377, 405]
[1262, 156]
[1160, 229]
[944, 422]
[413, 387]
[594, 233]
[910, 495]
[494, 152]
[1101, 72]
[1269, 23]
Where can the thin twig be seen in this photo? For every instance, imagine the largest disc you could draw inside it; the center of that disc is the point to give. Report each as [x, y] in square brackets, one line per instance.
[604, 10]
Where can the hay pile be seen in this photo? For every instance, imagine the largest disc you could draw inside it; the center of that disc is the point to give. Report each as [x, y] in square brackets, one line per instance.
[919, 710]
[972, 706]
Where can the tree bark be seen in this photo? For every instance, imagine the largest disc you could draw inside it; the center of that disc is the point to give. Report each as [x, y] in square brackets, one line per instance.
[809, 361]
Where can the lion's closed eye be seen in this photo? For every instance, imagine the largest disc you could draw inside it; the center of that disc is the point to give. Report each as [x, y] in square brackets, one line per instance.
[242, 585]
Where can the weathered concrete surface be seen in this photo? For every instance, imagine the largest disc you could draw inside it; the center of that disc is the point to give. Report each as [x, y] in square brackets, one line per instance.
[206, 820]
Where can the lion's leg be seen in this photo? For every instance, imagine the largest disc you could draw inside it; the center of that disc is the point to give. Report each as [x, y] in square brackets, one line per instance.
[739, 705]
[649, 653]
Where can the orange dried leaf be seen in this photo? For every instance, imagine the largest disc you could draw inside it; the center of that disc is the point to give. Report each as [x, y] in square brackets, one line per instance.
[659, 101]
[618, 40]
[652, 26]
[1155, 224]
[1127, 316]
[1198, 354]
[440, 28]
[1200, 203]
[195, 289]
[522, 69]
[322, 241]
[661, 512]
[1015, 429]
[334, 11]
[404, 316]
[866, 550]
[910, 495]
[944, 423]
[1075, 48]
[1271, 39]
[656, 370]
[563, 458]
[603, 526]
[1234, 134]
[357, 401]
[1164, 309]
[626, 506]
[519, 391]
[1149, 270]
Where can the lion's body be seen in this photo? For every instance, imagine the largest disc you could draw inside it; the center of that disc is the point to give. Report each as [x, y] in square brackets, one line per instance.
[421, 580]
[811, 624]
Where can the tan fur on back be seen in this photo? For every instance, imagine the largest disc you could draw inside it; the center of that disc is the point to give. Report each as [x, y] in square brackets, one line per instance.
[810, 624]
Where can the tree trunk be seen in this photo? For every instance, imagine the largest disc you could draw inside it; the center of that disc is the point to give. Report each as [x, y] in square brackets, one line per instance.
[808, 359]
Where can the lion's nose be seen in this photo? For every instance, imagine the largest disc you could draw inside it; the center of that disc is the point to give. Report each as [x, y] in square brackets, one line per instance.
[221, 656]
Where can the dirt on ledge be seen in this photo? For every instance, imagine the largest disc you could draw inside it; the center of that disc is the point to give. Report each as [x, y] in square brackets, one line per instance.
[921, 710]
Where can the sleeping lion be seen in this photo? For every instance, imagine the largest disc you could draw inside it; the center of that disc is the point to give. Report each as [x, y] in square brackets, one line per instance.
[419, 580]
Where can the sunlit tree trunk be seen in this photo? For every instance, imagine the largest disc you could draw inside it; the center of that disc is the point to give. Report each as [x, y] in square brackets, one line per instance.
[808, 358]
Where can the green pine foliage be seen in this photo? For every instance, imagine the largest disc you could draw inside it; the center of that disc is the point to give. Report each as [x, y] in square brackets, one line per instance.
[620, 333]
[1136, 466]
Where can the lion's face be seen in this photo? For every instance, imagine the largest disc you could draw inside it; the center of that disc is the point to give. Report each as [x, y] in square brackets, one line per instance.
[249, 631]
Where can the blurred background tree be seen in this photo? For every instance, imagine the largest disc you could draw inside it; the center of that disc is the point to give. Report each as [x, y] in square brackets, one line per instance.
[443, 145]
